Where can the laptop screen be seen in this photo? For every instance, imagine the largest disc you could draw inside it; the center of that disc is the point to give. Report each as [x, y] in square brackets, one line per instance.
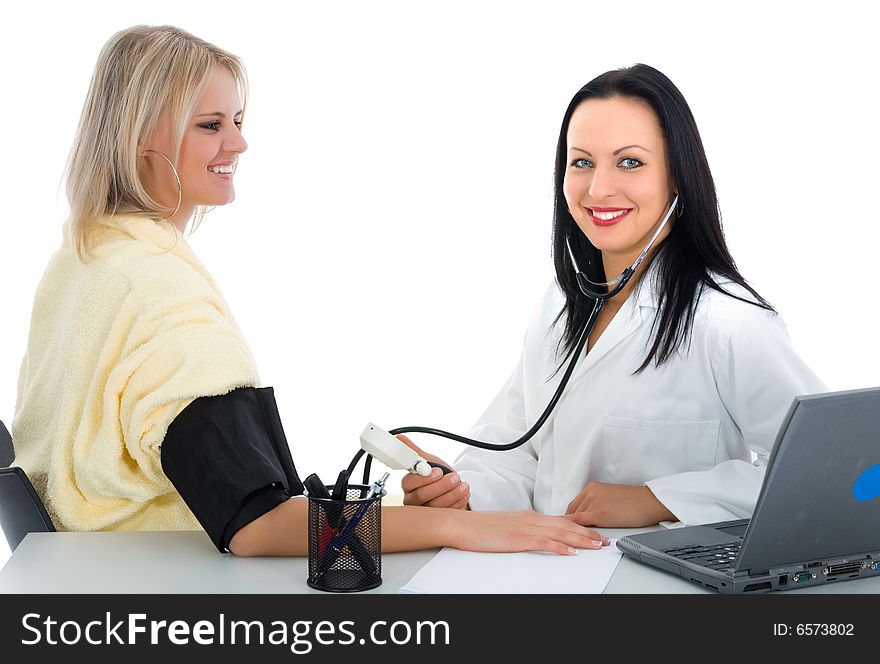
[807, 510]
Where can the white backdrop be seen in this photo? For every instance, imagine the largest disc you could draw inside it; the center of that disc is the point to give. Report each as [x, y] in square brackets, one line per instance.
[391, 233]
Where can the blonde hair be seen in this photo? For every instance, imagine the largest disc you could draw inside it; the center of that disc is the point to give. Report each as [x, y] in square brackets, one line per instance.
[141, 72]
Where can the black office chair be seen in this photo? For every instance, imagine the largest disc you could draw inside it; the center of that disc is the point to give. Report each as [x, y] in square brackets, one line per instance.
[7, 451]
[21, 510]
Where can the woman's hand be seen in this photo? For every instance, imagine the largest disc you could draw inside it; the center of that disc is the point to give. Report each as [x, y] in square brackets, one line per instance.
[524, 531]
[437, 489]
[619, 506]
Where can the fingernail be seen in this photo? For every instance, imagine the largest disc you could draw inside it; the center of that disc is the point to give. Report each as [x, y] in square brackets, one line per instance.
[463, 487]
[436, 472]
[597, 543]
[604, 539]
[572, 551]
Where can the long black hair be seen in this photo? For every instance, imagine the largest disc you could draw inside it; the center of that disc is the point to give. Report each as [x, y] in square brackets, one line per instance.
[692, 257]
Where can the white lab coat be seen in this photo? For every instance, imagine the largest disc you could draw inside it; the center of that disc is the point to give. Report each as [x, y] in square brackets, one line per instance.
[686, 429]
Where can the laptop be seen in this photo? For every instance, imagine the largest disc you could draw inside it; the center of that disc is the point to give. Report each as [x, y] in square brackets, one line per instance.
[817, 519]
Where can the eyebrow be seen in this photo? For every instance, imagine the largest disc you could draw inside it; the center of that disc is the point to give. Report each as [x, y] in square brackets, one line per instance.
[218, 114]
[616, 152]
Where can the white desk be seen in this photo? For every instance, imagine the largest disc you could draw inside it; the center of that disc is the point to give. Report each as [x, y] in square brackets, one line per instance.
[187, 562]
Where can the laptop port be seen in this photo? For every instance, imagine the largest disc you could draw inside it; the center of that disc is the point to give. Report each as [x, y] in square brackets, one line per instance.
[783, 580]
[762, 585]
[844, 568]
[802, 576]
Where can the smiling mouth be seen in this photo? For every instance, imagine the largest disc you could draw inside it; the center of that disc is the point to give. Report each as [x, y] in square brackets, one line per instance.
[607, 217]
[222, 169]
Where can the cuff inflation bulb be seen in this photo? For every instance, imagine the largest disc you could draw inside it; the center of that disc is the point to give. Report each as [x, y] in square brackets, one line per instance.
[392, 451]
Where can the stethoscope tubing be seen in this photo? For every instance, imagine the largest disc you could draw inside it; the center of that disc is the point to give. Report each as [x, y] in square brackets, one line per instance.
[501, 447]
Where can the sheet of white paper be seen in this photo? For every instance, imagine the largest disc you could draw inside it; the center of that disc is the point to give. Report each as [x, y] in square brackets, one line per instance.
[462, 572]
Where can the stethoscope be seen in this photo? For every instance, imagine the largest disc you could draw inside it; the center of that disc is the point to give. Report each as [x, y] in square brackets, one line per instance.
[601, 293]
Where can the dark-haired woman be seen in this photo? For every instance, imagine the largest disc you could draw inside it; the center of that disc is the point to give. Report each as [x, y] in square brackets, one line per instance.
[688, 373]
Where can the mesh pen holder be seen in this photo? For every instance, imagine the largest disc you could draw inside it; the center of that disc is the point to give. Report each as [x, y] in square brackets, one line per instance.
[345, 541]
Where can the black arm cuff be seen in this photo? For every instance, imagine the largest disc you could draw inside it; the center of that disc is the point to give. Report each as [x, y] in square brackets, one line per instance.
[228, 458]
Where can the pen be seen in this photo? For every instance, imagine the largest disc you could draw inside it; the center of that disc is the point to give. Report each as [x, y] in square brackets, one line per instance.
[331, 512]
[338, 544]
[316, 488]
[340, 489]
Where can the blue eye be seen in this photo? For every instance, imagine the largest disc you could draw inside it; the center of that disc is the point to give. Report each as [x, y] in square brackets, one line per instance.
[581, 163]
[630, 163]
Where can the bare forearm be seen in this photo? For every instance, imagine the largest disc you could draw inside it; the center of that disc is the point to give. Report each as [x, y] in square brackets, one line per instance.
[283, 530]
[411, 528]
[279, 532]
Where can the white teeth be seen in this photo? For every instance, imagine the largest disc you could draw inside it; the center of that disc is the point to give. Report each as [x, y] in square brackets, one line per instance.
[220, 169]
[608, 216]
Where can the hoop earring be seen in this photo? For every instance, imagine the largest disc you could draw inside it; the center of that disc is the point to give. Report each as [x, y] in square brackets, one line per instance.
[177, 179]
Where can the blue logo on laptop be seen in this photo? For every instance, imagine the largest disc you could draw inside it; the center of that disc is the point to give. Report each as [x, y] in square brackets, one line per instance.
[867, 486]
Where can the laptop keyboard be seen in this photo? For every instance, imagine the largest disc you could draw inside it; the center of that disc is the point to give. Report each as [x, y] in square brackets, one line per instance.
[719, 557]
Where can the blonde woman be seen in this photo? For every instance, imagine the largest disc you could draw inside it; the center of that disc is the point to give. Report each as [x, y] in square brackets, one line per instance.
[138, 405]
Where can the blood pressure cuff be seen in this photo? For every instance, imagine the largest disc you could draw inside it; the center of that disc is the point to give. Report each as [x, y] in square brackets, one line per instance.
[228, 458]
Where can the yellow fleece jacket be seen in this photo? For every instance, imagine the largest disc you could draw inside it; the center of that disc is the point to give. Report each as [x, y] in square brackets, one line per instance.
[118, 346]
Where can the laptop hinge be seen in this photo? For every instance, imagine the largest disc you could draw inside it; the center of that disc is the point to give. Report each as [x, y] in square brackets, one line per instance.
[745, 574]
